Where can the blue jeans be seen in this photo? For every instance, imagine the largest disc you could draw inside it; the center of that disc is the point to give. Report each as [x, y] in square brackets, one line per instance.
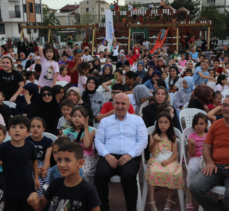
[202, 184]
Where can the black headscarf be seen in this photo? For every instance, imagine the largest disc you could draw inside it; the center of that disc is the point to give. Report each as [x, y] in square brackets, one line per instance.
[33, 90]
[91, 70]
[86, 98]
[49, 112]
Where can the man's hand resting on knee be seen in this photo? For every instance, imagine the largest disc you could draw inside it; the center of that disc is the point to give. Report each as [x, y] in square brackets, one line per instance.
[209, 168]
[111, 160]
[124, 159]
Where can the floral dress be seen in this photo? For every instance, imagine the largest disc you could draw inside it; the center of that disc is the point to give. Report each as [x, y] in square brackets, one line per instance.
[170, 176]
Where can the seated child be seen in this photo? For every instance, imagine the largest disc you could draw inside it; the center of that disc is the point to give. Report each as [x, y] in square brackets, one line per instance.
[221, 84]
[161, 173]
[43, 147]
[216, 101]
[195, 146]
[18, 62]
[65, 121]
[187, 72]
[63, 75]
[164, 75]
[19, 68]
[84, 135]
[72, 194]
[30, 77]
[212, 73]
[182, 62]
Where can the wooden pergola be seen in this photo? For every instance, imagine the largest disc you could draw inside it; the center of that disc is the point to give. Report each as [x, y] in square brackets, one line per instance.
[165, 25]
[50, 27]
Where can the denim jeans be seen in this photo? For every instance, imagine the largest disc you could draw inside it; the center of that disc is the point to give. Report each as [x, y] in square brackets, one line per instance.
[202, 184]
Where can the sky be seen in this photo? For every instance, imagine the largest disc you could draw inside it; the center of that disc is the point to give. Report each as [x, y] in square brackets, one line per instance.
[54, 4]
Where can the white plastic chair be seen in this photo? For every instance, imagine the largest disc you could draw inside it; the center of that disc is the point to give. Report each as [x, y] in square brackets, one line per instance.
[188, 114]
[226, 93]
[143, 105]
[10, 104]
[62, 83]
[145, 185]
[49, 135]
[174, 95]
[212, 84]
[186, 105]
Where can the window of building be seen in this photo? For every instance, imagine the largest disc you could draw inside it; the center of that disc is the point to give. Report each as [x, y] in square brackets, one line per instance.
[38, 8]
[24, 8]
[17, 11]
[93, 9]
[30, 7]
[88, 2]
[19, 28]
[102, 9]
[87, 9]
[66, 20]
[2, 28]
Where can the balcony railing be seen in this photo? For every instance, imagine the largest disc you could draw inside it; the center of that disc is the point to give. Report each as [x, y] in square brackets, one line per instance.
[15, 14]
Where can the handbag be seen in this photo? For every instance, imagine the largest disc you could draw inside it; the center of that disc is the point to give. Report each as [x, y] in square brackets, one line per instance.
[164, 155]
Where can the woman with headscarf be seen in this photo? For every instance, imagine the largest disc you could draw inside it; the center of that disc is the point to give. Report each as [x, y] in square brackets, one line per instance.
[96, 64]
[106, 74]
[93, 100]
[149, 75]
[48, 109]
[160, 64]
[174, 81]
[122, 61]
[201, 97]
[150, 83]
[189, 65]
[58, 93]
[140, 95]
[150, 112]
[131, 83]
[30, 61]
[183, 95]
[140, 69]
[74, 95]
[25, 101]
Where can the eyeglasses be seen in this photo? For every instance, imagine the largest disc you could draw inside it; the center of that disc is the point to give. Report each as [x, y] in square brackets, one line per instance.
[48, 93]
[224, 105]
[113, 92]
[205, 62]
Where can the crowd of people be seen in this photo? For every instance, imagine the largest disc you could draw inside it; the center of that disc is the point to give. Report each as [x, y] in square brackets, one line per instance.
[97, 137]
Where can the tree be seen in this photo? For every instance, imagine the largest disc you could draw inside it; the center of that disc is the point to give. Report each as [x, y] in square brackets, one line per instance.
[218, 19]
[48, 18]
[191, 5]
[125, 7]
[87, 18]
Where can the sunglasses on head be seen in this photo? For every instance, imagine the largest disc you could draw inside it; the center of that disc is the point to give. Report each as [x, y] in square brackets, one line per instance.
[48, 93]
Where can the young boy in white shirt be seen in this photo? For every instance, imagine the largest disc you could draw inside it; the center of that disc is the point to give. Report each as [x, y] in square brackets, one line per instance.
[65, 121]
[87, 57]
[70, 192]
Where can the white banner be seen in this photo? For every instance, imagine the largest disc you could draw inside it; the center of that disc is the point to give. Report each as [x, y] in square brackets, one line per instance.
[109, 26]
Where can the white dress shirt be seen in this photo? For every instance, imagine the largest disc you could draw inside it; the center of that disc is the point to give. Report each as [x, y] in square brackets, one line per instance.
[128, 136]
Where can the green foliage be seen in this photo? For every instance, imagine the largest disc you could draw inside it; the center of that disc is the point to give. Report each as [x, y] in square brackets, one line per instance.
[192, 5]
[220, 20]
[48, 18]
[125, 7]
[87, 18]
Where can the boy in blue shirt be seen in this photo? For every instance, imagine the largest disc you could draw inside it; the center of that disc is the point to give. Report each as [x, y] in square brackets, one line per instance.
[201, 74]
[19, 160]
[69, 192]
